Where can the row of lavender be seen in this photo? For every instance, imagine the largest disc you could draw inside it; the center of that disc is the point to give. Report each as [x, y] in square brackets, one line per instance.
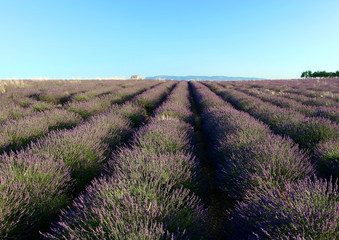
[320, 100]
[312, 88]
[278, 195]
[148, 189]
[319, 136]
[15, 134]
[65, 91]
[38, 181]
[22, 102]
[330, 112]
[26, 101]
[325, 98]
[99, 104]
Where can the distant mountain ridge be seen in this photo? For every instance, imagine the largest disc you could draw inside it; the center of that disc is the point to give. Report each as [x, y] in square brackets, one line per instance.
[210, 78]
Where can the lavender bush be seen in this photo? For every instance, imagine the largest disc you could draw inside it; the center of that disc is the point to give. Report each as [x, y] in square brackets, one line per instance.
[331, 113]
[150, 99]
[248, 156]
[327, 155]
[96, 92]
[97, 105]
[307, 132]
[129, 92]
[133, 112]
[91, 107]
[161, 136]
[310, 111]
[84, 151]
[21, 98]
[177, 106]
[323, 101]
[305, 209]
[217, 122]
[323, 89]
[254, 163]
[311, 131]
[85, 148]
[17, 133]
[205, 99]
[109, 210]
[41, 106]
[10, 111]
[173, 110]
[32, 188]
[155, 169]
[144, 196]
[54, 96]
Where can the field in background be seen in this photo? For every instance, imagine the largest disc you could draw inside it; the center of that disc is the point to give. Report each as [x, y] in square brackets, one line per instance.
[6, 85]
[148, 159]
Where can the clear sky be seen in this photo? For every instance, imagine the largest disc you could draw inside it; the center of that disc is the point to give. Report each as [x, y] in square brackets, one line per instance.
[87, 39]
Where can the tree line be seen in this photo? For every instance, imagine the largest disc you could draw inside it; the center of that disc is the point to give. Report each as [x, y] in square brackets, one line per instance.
[319, 74]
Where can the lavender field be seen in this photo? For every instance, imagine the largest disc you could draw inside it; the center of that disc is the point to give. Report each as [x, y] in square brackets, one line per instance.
[160, 159]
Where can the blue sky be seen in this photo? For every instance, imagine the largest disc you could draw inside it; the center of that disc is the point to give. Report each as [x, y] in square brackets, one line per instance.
[88, 39]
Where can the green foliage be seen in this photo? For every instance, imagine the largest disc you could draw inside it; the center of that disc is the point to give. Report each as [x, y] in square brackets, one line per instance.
[42, 106]
[319, 74]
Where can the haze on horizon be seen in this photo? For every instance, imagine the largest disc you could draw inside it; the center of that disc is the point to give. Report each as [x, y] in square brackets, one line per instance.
[90, 39]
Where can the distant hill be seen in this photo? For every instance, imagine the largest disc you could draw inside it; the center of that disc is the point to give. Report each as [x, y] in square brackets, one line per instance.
[210, 78]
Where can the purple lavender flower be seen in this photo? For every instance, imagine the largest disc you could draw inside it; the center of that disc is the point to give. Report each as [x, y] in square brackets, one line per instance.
[159, 168]
[307, 132]
[10, 110]
[254, 162]
[99, 104]
[305, 209]
[177, 105]
[144, 196]
[327, 156]
[248, 155]
[17, 133]
[150, 99]
[162, 136]
[134, 112]
[109, 210]
[32, 187]
[85, 148]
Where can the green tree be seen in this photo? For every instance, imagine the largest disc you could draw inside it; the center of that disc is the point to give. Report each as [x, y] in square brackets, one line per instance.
[306, 74]
[319, 74]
